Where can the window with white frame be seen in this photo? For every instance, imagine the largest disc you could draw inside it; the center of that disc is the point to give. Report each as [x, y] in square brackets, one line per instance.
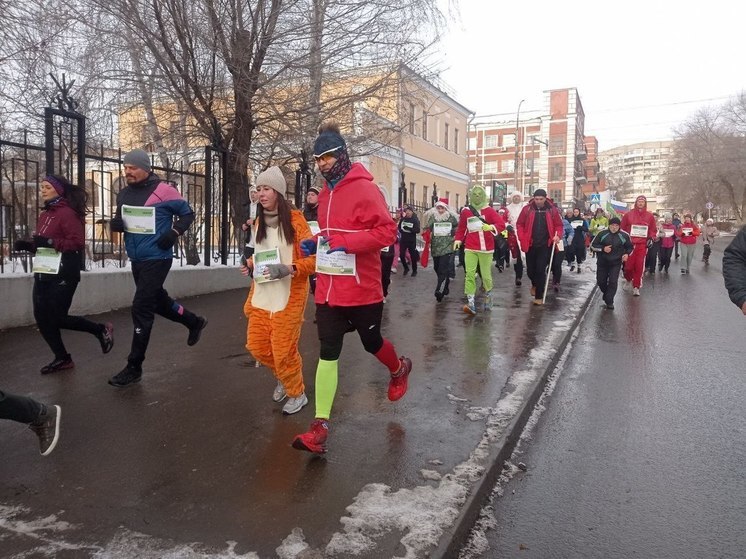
[489, 167]
[425, 116]
[508, 166]
[445, 135]
[472, 169]
[490, 141]
[508, 141]
[456, 140]
[472, 143]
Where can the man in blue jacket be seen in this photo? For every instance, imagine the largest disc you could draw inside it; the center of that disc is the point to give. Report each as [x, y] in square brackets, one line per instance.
[153, 215]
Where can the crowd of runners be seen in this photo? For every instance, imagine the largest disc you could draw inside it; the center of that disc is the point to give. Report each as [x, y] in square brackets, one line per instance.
[342, 248]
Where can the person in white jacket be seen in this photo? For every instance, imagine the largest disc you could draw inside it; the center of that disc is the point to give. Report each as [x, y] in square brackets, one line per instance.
[514, 210]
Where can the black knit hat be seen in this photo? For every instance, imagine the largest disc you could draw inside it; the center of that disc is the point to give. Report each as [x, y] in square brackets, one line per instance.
[615, 221]
[540, 192]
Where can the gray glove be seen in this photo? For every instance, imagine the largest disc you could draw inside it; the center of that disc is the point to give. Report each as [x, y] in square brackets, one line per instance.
[278, 271]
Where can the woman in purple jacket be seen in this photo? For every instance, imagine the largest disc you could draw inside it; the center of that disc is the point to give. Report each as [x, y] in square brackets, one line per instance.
[59, 243]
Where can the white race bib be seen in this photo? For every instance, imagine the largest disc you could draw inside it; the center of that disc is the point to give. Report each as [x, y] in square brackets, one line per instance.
[262, 259]
[442, 228]
[47, 261]
[474, 224]
[314, 226]
[687, 230]
[668, 232]
[639, 231]
[336, 263]
[576, 224]
[139, 220]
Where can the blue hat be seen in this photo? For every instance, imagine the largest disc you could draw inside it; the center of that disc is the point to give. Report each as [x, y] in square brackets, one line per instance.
[328, 141]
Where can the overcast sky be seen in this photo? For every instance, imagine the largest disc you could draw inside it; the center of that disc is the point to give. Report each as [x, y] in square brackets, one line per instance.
[640, 67]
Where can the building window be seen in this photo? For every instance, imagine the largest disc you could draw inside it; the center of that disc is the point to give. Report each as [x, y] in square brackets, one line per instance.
[472, 169]
[412, 192]
[557, 172]
[472, 144]
[556, 196]
[489, 167]
[411, 118]
[455, 140]
[490, 142]
[557, 145]
[508, 166]
[457, 202]
[425, 116]
[530, 166]
[508, 141]
[445, 135]
[448, 197]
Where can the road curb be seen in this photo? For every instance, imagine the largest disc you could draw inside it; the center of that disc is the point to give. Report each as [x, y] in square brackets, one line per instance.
[454, 537]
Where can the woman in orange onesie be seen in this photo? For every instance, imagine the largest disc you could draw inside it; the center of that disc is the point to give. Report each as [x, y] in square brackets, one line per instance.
[278, 295]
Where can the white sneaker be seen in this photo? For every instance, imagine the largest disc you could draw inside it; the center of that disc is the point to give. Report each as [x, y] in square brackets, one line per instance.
[294, 405]
[636, 291]
[626, 285]
[279, 394]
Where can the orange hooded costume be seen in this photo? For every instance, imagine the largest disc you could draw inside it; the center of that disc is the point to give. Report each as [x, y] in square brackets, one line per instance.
[272, 335]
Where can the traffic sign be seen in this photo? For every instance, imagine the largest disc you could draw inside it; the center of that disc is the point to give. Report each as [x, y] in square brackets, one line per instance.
[709, 205]
[595, 198]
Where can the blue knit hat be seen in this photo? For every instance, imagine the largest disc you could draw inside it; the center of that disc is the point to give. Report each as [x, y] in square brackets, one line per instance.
[329, 140]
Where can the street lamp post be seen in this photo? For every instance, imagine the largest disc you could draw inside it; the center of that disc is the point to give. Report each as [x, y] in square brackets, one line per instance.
[517, 155]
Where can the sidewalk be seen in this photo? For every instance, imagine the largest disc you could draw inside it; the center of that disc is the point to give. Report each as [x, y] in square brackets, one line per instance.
[195, 461]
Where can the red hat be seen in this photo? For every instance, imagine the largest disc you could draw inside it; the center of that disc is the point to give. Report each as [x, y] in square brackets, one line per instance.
[444, 200]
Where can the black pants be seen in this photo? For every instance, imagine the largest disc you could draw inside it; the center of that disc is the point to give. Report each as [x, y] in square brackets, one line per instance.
[442, 266]
[334, 322]
[414, 256]
[559, 257]
[151, 299]
[518, 267]
[537, 260]
[607, 278]
[52, 299]
[577, 253]
[387, 261]
[664, 258]
[19, 408]
[651, 258]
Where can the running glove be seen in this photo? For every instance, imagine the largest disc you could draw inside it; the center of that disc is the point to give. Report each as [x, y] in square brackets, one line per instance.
[308, 247]
[22, 244]
[167, 240]
[43, 242]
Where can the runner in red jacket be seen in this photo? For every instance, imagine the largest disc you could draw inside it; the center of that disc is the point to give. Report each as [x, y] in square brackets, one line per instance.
[639, 223]
[355, 223]
[539, 229]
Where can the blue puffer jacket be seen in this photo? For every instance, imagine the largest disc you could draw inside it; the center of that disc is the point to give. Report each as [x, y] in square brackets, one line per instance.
[171, 212]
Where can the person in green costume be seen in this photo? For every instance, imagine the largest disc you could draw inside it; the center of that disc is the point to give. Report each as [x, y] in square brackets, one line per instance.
[477, 227]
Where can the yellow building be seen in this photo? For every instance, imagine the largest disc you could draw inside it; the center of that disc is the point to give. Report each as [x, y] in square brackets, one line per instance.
[410, 133]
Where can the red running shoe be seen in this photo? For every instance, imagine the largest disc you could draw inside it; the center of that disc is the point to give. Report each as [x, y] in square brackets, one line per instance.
[315, 439]
[399, 380]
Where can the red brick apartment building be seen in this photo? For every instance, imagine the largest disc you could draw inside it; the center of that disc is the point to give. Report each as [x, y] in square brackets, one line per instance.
[546, 149]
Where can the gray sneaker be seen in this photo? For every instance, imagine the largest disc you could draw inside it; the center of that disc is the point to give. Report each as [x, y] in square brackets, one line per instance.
[294, 405]
[279, 394]
[47, 428]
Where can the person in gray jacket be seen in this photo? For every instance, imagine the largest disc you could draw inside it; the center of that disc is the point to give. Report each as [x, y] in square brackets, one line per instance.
[734, 270]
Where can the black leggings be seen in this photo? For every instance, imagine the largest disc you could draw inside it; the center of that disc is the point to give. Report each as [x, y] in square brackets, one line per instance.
[52, 299]
[334, 322]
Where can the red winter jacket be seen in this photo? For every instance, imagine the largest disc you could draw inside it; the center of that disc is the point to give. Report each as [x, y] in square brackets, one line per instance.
[355, 213]
[482, 241]
[60, 223]
[525, 224]
[688, 239]
[636, 216]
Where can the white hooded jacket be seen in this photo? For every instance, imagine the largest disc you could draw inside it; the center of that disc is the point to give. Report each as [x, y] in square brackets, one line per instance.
[514, 209]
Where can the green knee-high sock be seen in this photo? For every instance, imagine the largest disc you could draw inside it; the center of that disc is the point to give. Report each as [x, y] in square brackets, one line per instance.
[326, 387]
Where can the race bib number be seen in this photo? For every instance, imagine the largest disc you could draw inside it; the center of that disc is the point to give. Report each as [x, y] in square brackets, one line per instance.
[474, 224]
[668, 232]
[335, 263]
[576, 224]
[406, 226]
[139, 220]
[262, 259]
[687, 230]
[442, 229]
[314, 226]
[639, 231]
[47, 261]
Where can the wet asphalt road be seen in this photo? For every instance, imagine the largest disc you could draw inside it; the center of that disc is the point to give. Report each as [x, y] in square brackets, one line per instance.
[198, 452]
[642, 449]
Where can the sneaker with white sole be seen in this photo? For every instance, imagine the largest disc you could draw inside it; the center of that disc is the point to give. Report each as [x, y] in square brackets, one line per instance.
[636, 291]
[279, 393]
[294, 405]
[47, 428]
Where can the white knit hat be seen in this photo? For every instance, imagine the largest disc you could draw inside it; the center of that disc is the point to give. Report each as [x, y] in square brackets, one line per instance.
[274, 179]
